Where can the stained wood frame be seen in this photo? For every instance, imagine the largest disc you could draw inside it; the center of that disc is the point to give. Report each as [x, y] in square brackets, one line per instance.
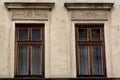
[90, 43]
[29, 43]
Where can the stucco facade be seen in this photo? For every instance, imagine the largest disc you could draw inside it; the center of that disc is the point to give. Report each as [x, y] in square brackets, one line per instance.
[60, 55]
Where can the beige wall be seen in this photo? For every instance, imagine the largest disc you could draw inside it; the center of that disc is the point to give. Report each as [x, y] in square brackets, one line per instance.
[59, 38]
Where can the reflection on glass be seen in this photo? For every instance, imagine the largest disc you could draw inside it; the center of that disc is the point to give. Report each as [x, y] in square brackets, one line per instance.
[96, 60]
[36, 34]
[95, 34]
[82, 34]
[22, 60]
[36, 62]
[83, 54]
[23, 34]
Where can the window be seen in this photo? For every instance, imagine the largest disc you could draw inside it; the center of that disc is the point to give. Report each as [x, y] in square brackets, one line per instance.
[29, 52]
[90, 50]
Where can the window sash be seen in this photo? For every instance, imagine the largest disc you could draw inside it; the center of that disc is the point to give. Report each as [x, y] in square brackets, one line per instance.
[89, 43]
[22, 68]
[89, 34]
[36, 60]
[83, 60]
[30, 43]
[30, 33]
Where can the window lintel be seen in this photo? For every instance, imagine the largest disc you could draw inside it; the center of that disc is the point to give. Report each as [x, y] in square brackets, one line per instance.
[29, 5]
[81, 6]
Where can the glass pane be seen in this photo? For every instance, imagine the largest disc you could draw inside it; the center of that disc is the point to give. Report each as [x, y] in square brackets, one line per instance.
[23, 34]
[83, 57]
[96, 60]
[36, 34]
[22, 60]
[95, 34]
[82, 34]
[36, 62]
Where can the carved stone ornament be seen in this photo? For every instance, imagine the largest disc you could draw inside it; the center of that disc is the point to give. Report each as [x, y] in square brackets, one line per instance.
[30, 14]
[28, 11]
[89, 11]
[89, 15]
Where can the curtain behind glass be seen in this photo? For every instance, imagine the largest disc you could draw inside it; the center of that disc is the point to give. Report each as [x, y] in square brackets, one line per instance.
[36, 63]
[96, 60]
[22, 60]
[95, 34]
[83, 65]
[82, 34]
[23, 34]
[36, 34]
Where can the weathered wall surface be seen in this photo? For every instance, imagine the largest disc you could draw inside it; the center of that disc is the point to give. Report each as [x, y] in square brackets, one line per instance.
[60, 48]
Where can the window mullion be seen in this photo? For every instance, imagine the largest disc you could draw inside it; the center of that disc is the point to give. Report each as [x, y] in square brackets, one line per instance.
[29, 50]
[30, 34]
[89, 34]
[90, 60]
[29, 60]
[90, 54]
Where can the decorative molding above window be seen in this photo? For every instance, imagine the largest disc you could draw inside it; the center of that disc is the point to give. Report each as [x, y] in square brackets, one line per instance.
[89, 11]
[29, 11]
[20, 5]
[106, 6]
[89, 15]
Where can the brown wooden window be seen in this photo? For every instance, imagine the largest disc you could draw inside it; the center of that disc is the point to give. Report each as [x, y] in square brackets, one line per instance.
[29, 52]
[90, 50]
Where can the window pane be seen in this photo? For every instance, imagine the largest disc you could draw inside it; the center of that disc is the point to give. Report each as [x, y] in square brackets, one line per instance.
[82, 34]
[23, 34]
[95, 34]
[83, 57]
[96, 60]
[36, 34]
[22, 60]
[36, 62]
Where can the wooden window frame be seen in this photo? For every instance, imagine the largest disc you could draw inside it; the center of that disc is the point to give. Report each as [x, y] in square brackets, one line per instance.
[29, 44]
[90, 44]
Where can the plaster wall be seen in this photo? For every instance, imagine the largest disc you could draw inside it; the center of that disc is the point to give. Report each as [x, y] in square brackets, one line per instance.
[60, 40]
